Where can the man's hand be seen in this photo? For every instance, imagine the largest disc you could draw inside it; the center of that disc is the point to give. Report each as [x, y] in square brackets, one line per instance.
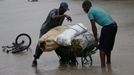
[68, 18]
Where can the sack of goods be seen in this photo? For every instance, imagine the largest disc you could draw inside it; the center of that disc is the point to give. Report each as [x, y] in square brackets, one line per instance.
[46, 42]
[69, 34]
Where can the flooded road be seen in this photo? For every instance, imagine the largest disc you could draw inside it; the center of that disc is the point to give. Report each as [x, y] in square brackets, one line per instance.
[21, 16]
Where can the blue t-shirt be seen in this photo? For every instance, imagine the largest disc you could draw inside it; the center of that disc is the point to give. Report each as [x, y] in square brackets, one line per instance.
[100, 16]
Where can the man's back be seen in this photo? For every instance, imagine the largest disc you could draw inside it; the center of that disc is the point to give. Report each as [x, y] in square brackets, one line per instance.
[50, 22]
[100, 16]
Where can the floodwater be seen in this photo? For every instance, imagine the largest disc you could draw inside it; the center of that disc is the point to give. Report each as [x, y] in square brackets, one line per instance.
[21, 16]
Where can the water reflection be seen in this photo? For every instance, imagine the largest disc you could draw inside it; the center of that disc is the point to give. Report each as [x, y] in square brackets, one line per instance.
[77, 70]
[108, 70]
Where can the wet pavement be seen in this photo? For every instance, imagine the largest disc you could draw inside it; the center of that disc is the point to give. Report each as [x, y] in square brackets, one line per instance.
[21, 16]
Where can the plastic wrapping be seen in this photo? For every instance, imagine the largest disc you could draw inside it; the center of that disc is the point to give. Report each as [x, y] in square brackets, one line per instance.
[68, 35]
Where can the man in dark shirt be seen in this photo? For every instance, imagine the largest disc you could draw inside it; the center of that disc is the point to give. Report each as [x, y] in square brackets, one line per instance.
[54, 18]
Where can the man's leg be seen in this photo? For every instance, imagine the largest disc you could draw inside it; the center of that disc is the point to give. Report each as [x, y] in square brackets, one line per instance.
[38, 51]
[108, 54]
[37, 55]
[102, 46]
[102, 59]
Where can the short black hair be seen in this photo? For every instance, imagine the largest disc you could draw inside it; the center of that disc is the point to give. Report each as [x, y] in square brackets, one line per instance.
[87, 2]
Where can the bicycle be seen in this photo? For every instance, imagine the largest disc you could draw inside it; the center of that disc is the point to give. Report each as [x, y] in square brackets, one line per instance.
[22, 42]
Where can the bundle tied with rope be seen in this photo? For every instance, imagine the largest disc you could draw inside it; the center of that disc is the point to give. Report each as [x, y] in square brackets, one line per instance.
[74, 36]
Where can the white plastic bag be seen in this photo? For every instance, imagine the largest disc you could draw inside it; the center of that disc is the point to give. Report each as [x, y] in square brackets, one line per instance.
[66, 37]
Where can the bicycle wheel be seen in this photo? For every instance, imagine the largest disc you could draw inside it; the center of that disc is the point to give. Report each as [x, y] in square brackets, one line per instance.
[23, 40]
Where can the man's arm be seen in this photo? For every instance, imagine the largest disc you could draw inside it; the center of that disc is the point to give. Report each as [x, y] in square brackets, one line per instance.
[61, 16]
[94, 29]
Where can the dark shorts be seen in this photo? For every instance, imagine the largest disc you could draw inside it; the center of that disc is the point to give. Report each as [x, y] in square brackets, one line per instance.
[107, 37]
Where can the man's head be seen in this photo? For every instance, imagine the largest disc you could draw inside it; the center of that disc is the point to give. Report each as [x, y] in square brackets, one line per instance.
[86, 5]
[63, 7]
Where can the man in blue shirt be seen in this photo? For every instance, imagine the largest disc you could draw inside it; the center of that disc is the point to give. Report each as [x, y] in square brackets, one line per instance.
[54, 18]
[108, 32]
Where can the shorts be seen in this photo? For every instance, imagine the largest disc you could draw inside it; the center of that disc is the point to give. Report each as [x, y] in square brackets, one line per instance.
[107, 37]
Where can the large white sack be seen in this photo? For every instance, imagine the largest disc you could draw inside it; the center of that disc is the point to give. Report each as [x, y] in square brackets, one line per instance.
[86, 39]
[66, 37]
